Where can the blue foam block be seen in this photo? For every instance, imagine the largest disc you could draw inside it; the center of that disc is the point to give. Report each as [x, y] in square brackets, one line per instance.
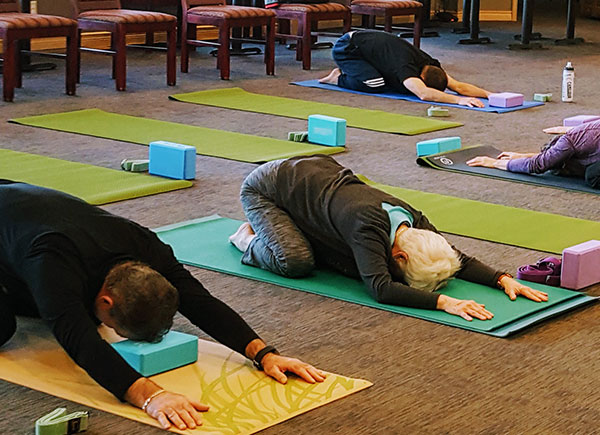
[176, 349]
[327, 130]
[439, 145]
[172, 160]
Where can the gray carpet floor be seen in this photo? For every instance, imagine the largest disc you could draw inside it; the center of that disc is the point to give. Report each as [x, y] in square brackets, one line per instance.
[428, 378]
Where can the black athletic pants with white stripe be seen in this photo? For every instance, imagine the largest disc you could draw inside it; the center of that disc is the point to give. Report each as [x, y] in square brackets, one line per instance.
[357, 73]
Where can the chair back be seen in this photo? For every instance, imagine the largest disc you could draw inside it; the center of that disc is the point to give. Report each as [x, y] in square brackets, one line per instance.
[79, 6]
[9, 6]
[186, 4]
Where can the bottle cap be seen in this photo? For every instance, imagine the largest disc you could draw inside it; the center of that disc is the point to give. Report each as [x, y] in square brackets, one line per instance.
[569, 66]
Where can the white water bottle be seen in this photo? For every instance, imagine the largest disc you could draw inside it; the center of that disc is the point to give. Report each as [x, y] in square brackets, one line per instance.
[568, 83]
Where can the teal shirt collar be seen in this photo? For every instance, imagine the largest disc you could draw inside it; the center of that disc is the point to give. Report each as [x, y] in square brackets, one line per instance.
[398, 216]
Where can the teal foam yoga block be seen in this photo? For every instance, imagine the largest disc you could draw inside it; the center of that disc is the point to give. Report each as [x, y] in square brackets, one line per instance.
[439, 145]
[327, 130]
[176, 349]
[172, 160]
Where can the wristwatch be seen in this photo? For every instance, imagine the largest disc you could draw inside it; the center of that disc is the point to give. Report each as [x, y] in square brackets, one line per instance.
[261, 354]
[499, 282]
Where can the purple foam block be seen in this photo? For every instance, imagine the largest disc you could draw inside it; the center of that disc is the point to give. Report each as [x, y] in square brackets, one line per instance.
[506, 99]
[579, 119]
[581, 265]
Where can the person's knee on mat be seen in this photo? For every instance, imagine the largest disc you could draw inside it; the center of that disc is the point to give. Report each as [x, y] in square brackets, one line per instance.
[297, 265]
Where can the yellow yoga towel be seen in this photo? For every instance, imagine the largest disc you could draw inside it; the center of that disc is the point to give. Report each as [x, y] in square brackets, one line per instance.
[242, 400]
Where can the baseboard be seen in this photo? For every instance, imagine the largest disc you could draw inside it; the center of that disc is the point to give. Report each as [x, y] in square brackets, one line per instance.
[493, 16]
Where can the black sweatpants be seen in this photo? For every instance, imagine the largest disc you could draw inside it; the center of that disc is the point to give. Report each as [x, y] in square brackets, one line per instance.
[357, 73]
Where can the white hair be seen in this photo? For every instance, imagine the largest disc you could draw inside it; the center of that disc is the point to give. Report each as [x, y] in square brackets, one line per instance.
[431, 260]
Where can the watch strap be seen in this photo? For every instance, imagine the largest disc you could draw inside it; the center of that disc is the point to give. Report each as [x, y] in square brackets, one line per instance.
[261, 354]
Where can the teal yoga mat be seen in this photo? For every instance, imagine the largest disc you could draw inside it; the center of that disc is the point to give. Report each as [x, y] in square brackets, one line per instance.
[204, 243]
[208, 141]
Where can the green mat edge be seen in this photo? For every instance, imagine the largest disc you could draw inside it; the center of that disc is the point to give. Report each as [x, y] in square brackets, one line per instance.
[109, 198]
[328, 150]
[423, 161]
[501, 332]
[448, 125]
[374, 184]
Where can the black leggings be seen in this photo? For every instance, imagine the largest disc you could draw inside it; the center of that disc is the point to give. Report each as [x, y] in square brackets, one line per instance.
[8, 321]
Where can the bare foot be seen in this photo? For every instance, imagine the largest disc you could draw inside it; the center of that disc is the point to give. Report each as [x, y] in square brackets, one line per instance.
[332, 78]
[242, 237]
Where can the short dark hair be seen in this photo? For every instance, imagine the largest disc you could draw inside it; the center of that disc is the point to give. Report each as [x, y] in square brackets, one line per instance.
[144, 301]
[435, 77]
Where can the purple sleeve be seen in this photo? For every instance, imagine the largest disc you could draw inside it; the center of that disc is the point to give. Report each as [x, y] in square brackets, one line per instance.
[550, 159]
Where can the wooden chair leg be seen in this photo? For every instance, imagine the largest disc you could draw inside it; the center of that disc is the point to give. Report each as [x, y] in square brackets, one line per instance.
[306, 42]
[223, 54]
[372, 21]
[172, 56]
[71, 72]
[387, 23]
[417, 28]
[8, 72]
[364, 21]
[113, 47]
[270, 48]
[78, 60]
[283, 28]
[186, 34]
[347, 22]
[18, 68]
[120, 58]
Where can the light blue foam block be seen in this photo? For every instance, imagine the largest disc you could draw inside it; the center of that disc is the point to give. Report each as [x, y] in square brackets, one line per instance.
[326, 130]
[438, 145]
[172, 160]
[176, 349]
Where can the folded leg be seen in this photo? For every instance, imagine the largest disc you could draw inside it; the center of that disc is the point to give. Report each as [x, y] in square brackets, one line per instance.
[279, 245]
[356, 73]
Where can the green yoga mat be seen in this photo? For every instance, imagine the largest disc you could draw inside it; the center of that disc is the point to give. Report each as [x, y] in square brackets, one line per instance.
[203, 243]
[377, 120]
[497, 223]
[93, 184]
[208, 142]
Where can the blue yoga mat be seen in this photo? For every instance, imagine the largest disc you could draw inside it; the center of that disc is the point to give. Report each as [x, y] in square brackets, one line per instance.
[399, 96]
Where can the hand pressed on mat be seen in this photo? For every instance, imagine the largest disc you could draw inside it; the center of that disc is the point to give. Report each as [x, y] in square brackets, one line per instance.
[514, 288]
[166, 407]
[467, 309]
[488, 162]
[277, 365]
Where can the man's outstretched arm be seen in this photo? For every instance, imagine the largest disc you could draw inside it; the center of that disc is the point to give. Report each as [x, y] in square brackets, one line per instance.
[466, 89]
[421, 90]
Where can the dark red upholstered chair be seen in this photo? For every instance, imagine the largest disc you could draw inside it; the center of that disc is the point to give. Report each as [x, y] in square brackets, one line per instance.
[225, 17]
[308, 17]
[107, 16]
[15, 26]
[370, 9]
